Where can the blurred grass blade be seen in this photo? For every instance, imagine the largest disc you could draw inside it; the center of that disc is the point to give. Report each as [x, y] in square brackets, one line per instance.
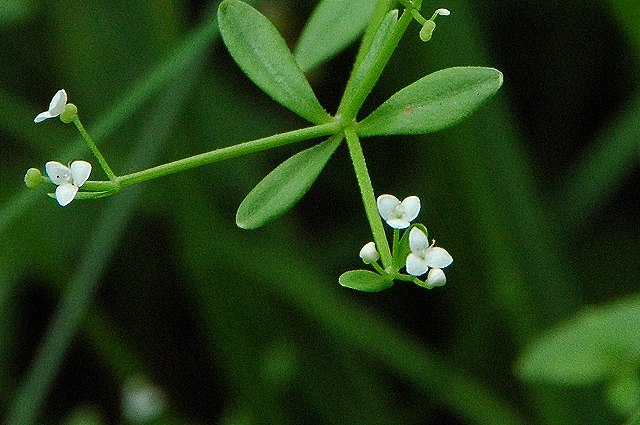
[263, 55]
[333, 25]
[434, 102]
[26, 405]
[140, 93]
[285, 185]
[601, 170]
[293, 277]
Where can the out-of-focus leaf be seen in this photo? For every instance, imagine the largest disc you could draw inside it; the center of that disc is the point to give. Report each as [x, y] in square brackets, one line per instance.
[364, 280]
[623, 392]
[263, 55]
[592, 346]
[333, 26]
[284, 186]
[434, 102]
[15, 11]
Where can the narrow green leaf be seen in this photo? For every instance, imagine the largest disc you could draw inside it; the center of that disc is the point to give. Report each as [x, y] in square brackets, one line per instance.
[364, 280]
[284, 186]
[263, 55]
[434, 102]
[588, 348]
[383, 33]
[333, 26]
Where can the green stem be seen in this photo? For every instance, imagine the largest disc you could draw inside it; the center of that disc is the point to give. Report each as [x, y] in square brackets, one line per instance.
[350, 105]
[94, 148]
[229, 152]
[368, 197]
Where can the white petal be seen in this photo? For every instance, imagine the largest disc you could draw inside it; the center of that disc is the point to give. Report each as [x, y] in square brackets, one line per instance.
[56, 107]
[418, 241]
[443, 12]
[398, 223]
[387, 205]
[411, 207]
[416, 266]
[369, 253]
[80, 171]
[435, 277]
[42, 116]
[58, 173]
[65, 193]
[437, 257]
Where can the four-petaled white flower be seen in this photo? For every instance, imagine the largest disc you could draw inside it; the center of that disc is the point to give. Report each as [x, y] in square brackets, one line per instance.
[56, 107]
[398, 214]
[369, 253]
[424, 257]
[68, 179]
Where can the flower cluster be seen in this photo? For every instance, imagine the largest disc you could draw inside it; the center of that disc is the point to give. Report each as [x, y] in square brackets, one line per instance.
[67, 179]
[422, 258]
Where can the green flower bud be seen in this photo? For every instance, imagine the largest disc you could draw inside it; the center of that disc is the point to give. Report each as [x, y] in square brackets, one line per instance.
[69, 113]
[427, 30]
[33, 178]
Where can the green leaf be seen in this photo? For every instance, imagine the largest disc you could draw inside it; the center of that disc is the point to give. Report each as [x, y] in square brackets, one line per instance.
[383, 33]
[333, 26]
[262, 54]
[434, 102]
[592, 346]
[284, 186]
[364, 280]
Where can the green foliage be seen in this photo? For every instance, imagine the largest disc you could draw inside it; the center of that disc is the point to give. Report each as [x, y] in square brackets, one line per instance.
[263, 55]
[364, 280]
[533, 195]
[333, 26]
[434, 102]
[284, 186]
[600, 344]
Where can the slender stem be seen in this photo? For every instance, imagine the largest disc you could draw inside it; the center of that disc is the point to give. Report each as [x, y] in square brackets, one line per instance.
[230, 152]
[94, 148]
[368, 197]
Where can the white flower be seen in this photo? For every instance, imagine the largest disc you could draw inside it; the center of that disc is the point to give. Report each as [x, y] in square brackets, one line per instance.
[142, 401]
[442, 12]
[68, 179]
[424, 256]
[369, 253]
[56, 107]
[398, 214]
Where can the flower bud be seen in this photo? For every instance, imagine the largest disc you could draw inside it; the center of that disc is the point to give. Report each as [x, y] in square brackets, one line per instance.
[427, 30]
[33, 178]
[69, 113]
[369, 253]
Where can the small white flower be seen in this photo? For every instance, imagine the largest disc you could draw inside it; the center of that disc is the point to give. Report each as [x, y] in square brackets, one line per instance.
[369, 253]
[398, 214]
[424, 256]
[68, 179]
[442, 12]
[142, 401]
[56, 107]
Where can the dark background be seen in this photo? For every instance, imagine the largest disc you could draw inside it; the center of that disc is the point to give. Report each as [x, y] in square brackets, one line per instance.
[535, 196]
